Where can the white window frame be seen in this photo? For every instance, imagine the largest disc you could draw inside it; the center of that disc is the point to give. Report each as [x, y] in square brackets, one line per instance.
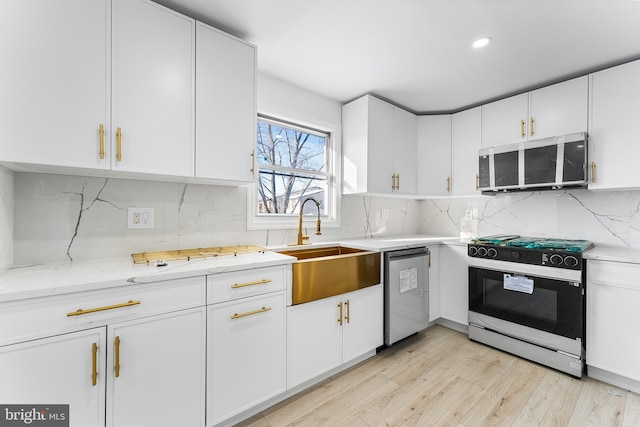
[331, 217]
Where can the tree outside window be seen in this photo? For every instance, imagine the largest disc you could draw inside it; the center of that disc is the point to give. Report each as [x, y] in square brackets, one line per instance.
[292, 163]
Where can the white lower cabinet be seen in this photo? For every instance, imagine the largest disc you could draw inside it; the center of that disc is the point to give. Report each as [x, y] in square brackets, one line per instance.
[434, 283]
[613, 298]
[454, 284]
[245, 354]
[326, 333]
[65, 369]
[156, 372]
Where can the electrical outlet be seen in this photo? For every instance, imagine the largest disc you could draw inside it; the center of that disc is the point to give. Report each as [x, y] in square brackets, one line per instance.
[140, 217]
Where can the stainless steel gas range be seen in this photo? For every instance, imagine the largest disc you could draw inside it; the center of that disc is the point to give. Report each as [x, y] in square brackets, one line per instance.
[527, 297]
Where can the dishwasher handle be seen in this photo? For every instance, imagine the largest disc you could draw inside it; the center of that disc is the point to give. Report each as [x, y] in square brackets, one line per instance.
[406, 253]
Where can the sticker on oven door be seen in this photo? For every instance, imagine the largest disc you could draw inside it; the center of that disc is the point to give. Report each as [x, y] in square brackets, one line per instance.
[518, 283]
[408, 279]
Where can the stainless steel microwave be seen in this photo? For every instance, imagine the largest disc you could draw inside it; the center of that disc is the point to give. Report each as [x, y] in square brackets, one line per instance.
[549, 163]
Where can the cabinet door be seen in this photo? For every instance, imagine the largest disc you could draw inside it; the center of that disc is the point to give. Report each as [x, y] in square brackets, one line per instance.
[405, 137]
[314, 338]
[58, 370]
[157, 371]
[559, 109]
[380, 137]
[613, 298]
[153, 89]
[505, 121]
[466, 129]
[246, 362]
[454, 284]
[434, 155]
[225, 106]
[362, 321]
[613, 135]
[54, 81]
[434, 283]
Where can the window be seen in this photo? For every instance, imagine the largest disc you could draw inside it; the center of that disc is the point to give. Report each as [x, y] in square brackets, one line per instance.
[294, 163]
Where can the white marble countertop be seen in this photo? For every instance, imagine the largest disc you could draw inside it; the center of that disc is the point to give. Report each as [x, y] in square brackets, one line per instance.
[613, 254]
[61, 278]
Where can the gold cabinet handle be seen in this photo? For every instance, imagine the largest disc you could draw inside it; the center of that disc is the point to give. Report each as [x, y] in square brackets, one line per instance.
[448, 184]
[81, 311]
[253, 161]
[348, 316]
[477, 182]
[531, 121]
[250, 313]
[257, 282]
[94, 364]
[340, 316]
[117, 361]
[101, 141]
[593, 171]
[119, 139]
[429, 255]
[397, 181]
[522, 133]
[393, 182]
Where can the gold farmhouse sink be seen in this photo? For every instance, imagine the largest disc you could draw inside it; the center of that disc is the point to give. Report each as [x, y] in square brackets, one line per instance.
[333, 270]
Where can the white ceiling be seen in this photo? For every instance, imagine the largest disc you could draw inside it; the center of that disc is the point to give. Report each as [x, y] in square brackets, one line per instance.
[417, 53]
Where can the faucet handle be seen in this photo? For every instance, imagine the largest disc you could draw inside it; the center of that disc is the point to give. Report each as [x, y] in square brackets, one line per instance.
[318, 233]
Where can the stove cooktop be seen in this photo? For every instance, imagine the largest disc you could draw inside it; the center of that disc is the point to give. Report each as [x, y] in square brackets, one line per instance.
[559, 253]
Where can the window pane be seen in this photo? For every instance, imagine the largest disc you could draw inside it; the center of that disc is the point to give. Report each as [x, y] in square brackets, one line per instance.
[291, 148]
[282, 193]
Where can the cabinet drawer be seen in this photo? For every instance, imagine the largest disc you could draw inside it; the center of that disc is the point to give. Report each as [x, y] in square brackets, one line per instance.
[231, 286]
[33, 318]
[618, 274]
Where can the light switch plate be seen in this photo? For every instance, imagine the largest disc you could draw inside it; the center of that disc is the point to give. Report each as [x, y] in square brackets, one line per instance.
[140, 218]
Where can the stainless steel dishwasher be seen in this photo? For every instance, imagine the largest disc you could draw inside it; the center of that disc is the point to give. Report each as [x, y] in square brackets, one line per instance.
[406, 292]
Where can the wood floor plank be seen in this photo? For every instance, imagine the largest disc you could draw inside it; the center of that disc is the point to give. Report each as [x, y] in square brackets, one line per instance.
[344, 408]
[503, 401]
[599, 404]
[631, 417]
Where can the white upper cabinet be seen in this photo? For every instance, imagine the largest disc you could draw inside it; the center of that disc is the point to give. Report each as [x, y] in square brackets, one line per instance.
[554, 110]
[466, 141]
[434, 155]
[153, 86]
[225, 106]
[378, 147]
[55, 65]
[614, 141]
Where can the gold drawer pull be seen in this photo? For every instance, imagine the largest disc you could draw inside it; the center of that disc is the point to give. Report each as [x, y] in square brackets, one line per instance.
[94, 364]
[119, 140]
[522, 132]
[250, 313]
[106, 307]
[257, 282]
[348, 316]
[340, 316]
[593, 171]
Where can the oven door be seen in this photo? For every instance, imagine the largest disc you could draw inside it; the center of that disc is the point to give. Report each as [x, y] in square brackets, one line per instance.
[550, 305]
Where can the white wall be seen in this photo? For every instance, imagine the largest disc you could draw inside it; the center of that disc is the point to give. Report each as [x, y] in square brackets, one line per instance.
[608, 218]
[59, 217]
[6, 218]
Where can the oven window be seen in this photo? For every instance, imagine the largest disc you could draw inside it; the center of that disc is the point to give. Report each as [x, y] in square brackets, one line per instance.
[554, 306]
[542, 304]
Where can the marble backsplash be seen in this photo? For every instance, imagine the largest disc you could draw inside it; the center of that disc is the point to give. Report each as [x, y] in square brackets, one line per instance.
[608, 218]
[62, 218]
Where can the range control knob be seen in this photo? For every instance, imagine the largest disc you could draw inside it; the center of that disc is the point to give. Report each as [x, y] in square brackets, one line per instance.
[492, 252]
[515, 255]
[571, 261]
[555, 259]
[473, 251]
[482, 252]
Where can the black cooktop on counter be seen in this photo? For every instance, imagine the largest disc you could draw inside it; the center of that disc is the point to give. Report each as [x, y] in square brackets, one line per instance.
[551, 252]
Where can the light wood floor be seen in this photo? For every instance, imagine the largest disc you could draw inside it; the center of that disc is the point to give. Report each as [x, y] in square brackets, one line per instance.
[440, 378]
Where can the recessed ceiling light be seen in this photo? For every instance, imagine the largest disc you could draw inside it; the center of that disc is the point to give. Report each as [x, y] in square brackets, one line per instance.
[481, 42]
